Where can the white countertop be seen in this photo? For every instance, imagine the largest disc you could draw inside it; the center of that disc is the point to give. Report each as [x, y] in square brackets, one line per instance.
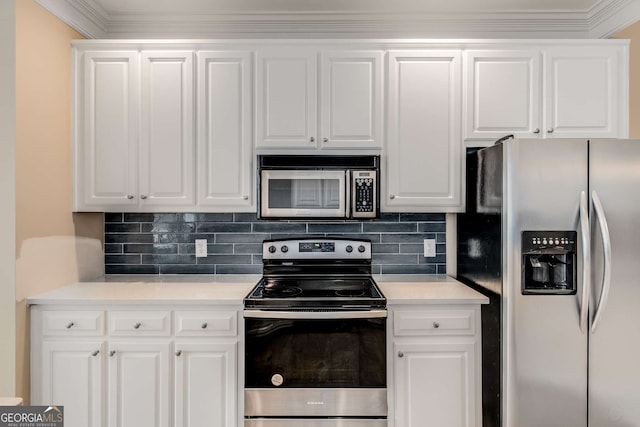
[165, 290]
[231, 289]
[439, 289]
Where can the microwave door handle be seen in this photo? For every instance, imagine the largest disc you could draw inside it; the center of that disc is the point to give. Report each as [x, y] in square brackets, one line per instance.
[348, 188]
[606, 244]
[585, 231]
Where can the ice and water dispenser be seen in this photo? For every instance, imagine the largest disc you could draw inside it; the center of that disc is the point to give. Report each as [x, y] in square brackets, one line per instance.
[549, 262]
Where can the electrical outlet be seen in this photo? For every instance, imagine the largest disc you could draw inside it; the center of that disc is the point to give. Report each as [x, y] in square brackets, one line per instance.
[201, 248]
[429, 248]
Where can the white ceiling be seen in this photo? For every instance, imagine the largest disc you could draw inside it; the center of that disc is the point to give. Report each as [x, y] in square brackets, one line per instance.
[345, 18]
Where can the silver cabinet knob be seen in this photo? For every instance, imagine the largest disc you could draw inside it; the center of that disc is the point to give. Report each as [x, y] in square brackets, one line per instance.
[436, 325]
[312, 139]
[392, 196]
[325, 139]
[550, 130]
[245, 197]
[112, 353]
[400, 354]
[129, 196]
[178, 353]
[143, 197]
[204, 325]
[137, 325]
[537, 130]
[95, 353]
[70, 325]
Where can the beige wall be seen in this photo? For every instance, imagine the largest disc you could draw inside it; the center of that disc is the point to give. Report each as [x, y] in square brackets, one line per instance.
[632, 32]
[54, 247]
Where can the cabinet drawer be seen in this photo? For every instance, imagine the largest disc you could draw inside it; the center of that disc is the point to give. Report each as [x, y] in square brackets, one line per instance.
[434, 322]
[206, 323]
[73, 323]
[140, 323]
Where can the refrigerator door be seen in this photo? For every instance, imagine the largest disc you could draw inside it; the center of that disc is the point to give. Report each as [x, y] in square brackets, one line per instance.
[545, 380]
[614, 346]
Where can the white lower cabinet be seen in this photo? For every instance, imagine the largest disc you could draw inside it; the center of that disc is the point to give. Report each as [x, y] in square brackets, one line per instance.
[435, 367]
[139, 378]
[134, 367]
[72, 376]
[205, 383]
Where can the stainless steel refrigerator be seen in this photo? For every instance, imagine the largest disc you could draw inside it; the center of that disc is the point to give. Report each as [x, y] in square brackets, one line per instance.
[552, 235]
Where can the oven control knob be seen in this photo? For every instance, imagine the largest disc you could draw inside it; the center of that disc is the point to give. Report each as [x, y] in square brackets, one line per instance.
[361, 248]
[272, 249]
[349, 248]
[284, 248]
[277, 380]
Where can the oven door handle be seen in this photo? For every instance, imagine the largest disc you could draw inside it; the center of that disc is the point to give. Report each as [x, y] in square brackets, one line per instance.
[321, 315]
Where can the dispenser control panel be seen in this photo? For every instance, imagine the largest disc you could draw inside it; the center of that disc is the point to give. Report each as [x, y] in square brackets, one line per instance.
[549, 262]
[541, 240]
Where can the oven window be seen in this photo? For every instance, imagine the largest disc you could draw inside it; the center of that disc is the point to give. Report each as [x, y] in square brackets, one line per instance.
[340, 353]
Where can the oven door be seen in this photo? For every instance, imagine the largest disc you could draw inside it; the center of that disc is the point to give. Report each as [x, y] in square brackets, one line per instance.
[295, 193]
[315, 364]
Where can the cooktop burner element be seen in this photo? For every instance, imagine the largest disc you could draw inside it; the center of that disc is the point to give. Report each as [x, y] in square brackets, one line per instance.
[281, 291]
[316, 274]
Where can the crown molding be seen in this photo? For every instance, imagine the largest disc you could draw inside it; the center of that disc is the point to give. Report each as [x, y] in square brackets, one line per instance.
[341, 25]
[84, 16]
[614, 17]
[93, 22]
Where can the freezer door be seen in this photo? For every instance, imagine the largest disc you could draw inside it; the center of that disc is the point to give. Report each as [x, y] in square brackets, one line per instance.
[545, 377]
[614, 346]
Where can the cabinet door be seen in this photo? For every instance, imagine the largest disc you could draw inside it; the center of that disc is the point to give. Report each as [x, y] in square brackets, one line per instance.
[424, 144]
[72, 377]
[167, 129]
[434, 384]
[206, 389]
[502, 94]
[351, 99]
[106, 131]
[585, 92]
[139, 384]
[225, 154]
[287, 98]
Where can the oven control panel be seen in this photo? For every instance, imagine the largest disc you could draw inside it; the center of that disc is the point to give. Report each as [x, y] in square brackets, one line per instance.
[316, 249]
[317, 246]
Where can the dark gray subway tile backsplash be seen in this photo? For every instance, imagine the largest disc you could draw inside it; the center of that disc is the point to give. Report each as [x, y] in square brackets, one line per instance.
[148, 243]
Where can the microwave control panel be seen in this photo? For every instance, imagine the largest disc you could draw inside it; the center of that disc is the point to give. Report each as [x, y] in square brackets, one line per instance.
[364, 190]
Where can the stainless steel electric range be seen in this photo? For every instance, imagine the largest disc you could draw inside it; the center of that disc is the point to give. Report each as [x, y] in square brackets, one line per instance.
[315, 337]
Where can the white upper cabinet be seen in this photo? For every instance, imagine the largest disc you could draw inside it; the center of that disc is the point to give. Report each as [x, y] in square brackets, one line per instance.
[167, 129]
[134, 131]
[559, 91]
[106, 129]
[502, 95]
[347, 114]
[287, 98]
[424, 145]
[225, 152]
[585, 92]
[175, 126]
[351, 99]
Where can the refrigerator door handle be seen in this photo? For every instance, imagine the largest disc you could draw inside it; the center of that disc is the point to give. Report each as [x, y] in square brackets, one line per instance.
[585, 231]
[606, 244]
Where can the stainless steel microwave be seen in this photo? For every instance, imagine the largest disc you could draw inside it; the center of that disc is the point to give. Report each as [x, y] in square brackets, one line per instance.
[318, 186]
